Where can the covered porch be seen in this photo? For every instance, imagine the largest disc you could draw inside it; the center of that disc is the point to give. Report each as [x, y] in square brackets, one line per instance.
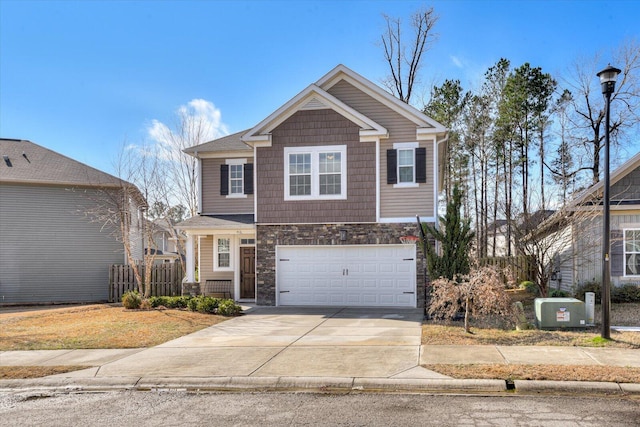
[221, 248]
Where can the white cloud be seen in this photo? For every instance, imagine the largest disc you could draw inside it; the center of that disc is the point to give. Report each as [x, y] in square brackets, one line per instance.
[456, 61]
[197, 122]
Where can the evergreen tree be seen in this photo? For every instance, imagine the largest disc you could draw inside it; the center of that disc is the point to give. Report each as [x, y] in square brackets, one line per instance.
[455, 238]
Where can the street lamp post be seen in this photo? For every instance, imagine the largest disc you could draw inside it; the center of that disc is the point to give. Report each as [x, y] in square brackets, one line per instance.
[608, 81]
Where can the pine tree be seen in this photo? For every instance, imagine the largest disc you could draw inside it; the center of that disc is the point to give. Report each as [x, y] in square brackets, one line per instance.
[455, 238]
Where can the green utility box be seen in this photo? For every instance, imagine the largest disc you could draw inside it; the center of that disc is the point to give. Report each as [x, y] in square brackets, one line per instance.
[558, 313]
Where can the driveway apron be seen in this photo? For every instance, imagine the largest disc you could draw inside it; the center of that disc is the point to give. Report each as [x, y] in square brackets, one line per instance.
[289, 341]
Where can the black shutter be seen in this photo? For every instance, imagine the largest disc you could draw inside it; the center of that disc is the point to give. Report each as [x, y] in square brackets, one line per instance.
[617, 253]
[224, 180]
[392, 167]
[248, 178]
[421, 165]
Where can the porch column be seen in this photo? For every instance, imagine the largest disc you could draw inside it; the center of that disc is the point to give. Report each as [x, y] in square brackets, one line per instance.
[191, 262]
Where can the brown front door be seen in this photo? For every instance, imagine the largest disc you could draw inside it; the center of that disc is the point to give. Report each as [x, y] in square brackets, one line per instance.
[248, 273]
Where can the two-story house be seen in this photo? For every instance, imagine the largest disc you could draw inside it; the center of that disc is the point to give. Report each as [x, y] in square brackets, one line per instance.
[308, 206]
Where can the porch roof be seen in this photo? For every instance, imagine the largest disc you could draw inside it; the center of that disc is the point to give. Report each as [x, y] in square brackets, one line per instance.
[218, 222]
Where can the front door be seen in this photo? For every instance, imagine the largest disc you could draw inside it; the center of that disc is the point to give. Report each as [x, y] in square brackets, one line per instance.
[247, 273]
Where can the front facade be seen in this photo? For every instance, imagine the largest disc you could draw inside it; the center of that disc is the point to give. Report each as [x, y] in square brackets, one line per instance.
[578, 238]
[308, 207]
[51, 250]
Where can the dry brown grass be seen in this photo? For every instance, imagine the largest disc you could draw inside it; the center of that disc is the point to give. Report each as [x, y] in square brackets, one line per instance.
[97, 326]
[24, 372]
[616, 374]
[485, 331]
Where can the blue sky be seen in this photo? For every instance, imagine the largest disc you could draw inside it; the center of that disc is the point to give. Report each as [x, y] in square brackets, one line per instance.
[85, 77]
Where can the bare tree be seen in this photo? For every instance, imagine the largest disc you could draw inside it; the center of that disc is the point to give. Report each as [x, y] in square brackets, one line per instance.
[403, 65]
[587, 122]
[120, 210]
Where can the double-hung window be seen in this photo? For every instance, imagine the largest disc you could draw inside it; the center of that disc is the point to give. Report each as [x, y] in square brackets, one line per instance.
[632, 252]
[406, 165]
[236, 178]
[315, 173]
[222, 254]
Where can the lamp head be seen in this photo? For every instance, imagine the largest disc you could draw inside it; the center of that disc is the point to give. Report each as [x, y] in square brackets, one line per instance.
[608, 78]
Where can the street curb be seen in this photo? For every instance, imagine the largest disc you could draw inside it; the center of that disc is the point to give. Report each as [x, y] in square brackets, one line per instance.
[312, 384]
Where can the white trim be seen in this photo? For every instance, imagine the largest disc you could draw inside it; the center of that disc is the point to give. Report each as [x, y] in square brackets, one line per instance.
[314, 152]
[411, 219]
[260, 135]
[340, 72]
[190, 261]
[255, 186]
[436, 177]
[378, 180]
[228, 154]
[236, 162]
[215, 252]
[199, 184]
[406, 146]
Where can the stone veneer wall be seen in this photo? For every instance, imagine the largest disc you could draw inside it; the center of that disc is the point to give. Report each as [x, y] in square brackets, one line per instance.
[269, 236]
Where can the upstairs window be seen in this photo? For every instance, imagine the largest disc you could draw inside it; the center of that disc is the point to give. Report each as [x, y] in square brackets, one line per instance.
[315, 173]
[236, 178]
[406, 165]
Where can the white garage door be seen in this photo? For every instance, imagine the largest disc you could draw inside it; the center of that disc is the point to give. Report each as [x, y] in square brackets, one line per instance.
[359, 275]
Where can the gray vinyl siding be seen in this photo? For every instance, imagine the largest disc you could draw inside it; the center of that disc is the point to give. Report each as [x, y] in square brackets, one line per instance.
[212, 201]
[394, 202]
[49, 250]
[627, 188]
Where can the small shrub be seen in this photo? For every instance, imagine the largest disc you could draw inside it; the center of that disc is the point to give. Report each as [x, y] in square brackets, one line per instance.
[530, 287]
[228, 307]
[145, 304]
[159, 301]
[557, 293]
[192, 303]
[207, 304]
[131, 300]
[629, 292]
[587, 287]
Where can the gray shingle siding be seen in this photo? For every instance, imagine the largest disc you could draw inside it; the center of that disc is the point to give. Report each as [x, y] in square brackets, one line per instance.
[49, 250]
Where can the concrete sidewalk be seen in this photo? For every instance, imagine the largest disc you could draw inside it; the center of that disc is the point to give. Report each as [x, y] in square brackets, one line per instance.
[302, 348]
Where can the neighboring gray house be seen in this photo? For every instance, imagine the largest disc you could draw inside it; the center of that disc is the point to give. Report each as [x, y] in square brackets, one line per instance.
[50, 249]
[312, 205]
[575, 233]
[166, 243]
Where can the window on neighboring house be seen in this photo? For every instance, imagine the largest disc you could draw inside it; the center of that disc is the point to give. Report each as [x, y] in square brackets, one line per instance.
[236, 178]
[632, 252]
[222, 254]
[315, 173]
[406, 165]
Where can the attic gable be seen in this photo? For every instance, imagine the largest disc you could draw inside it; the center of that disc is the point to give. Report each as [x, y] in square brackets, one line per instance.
[425, 124]
[313, 98]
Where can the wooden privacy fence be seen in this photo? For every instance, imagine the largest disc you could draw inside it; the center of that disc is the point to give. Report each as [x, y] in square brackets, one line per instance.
[521, 266]
[166, 280]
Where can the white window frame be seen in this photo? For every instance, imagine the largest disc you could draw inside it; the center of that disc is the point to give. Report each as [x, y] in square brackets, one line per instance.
[236, 162]
[216, 257]
[401, 146]
[315, 152]
[624, 251]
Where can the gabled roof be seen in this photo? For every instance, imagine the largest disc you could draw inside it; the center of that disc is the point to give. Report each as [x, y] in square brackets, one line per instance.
[316, 96]
[231, 142]
[341, 72]
[27, 163]
[596, 190]
[313, 97]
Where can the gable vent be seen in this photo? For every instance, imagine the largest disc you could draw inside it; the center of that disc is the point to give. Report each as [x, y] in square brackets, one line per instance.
[314, 104]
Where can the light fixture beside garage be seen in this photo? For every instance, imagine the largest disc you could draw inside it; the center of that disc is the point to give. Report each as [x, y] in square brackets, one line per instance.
[343, 235]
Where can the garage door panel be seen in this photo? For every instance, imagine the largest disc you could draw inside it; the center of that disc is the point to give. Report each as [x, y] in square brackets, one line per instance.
[357, 275]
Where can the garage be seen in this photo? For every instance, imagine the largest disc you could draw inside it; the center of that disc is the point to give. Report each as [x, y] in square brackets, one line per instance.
[350, 275]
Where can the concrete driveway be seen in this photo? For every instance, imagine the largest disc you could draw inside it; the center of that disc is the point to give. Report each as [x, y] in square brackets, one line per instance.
[276, 342]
